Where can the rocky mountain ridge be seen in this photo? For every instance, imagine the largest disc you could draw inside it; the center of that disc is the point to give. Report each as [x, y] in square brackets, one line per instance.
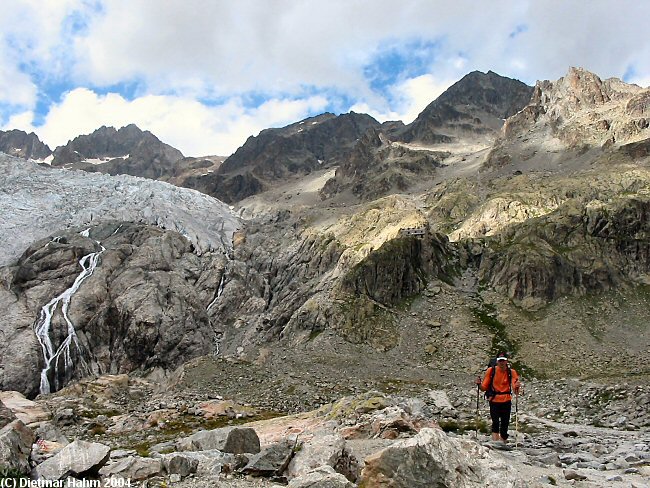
[297, 149]
[22, 145]
[404, 290]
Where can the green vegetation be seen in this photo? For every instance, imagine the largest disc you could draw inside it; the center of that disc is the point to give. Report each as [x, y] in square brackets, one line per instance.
[9, 473]
[501, 341]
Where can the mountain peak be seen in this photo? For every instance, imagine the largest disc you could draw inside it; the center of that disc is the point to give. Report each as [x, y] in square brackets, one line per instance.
[478, 102]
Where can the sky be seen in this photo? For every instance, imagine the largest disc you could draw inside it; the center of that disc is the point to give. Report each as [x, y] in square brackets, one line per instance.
[204, 75]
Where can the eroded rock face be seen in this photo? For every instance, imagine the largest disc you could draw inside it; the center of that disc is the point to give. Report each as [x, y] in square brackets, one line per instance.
[572, 251]
[140, 307]
[433, 459]
[128, 150]
[296, 149]
[576, 112]
[22, 145]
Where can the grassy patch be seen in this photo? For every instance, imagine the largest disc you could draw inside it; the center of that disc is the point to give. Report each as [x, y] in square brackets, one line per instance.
[8, 473]
[501, 341]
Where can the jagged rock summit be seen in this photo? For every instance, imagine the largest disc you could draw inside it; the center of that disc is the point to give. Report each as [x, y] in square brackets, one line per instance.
[572, 115]
[22, 145]
[297, 149]
[128, 150]
[476, 104]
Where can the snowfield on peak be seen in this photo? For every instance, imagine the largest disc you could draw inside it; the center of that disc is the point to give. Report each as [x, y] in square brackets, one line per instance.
[37, 202]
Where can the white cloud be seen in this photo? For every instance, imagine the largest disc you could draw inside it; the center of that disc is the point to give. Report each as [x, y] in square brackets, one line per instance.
[409, 98]
[287, 50]
[16, 88]
[186, 124]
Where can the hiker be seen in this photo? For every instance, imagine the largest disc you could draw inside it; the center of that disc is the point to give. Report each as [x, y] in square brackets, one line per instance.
[499, 383]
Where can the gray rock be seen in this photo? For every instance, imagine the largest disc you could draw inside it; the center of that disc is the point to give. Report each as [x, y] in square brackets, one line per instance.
[79, 457]
[324, 449]
[569, 474]
[135, 468]
[431, 458]
[321, 477]
[271, 461]
[234, 440]
[180, 463]
[15, 446]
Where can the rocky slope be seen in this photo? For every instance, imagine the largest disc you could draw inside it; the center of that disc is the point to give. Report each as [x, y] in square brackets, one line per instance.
[394, 158]
[568, 117]
[477, 104]
[128, 150]
[22, 145]
[297, 149]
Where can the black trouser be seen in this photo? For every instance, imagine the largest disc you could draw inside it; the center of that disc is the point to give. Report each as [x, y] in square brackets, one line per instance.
[500, 415]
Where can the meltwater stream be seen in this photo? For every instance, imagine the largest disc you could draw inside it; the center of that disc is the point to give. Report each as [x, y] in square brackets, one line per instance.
[54, 357]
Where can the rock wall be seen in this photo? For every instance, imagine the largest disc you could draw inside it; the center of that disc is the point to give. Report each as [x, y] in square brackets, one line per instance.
[142, 307]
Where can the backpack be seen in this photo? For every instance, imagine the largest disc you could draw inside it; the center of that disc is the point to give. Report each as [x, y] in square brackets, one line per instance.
[490, 393]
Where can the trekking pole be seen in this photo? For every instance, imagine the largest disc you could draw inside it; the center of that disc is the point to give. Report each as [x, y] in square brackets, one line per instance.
[516, 419]
[478, 394]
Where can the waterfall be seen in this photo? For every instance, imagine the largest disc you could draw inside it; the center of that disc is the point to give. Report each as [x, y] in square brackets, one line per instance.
[52, 356]
[222, 283]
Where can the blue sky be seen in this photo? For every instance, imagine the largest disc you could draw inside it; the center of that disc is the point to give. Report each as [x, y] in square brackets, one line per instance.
[205, 75]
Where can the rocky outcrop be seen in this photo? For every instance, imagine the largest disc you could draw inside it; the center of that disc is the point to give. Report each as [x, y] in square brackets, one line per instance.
[476, 104]
[297, 149]
[128, 150]
[377, 167]
[139, 308]
[572, 251]
[399, 269]
[22, 145]
[577, 112]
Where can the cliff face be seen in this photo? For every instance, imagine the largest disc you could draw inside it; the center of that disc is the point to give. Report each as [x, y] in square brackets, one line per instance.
[22, 145]
[575, 113]
[476, 104]
[298, 149]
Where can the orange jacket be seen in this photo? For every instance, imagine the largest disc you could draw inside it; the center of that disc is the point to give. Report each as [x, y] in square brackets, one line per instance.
[500, 383]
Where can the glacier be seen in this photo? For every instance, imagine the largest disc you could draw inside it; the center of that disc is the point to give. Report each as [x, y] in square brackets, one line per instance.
[37, 201]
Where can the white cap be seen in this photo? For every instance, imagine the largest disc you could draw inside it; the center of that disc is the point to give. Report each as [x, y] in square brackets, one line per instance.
[502, 358]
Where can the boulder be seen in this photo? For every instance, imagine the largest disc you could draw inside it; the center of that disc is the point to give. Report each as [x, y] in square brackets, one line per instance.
[234, 440]
[15, 446]
[180, 463]
[77, 458]
[209, 463]
[31, 413]
[134, 468]
[321, 477]
[431, 458]
[271, 461]
[324, 449]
